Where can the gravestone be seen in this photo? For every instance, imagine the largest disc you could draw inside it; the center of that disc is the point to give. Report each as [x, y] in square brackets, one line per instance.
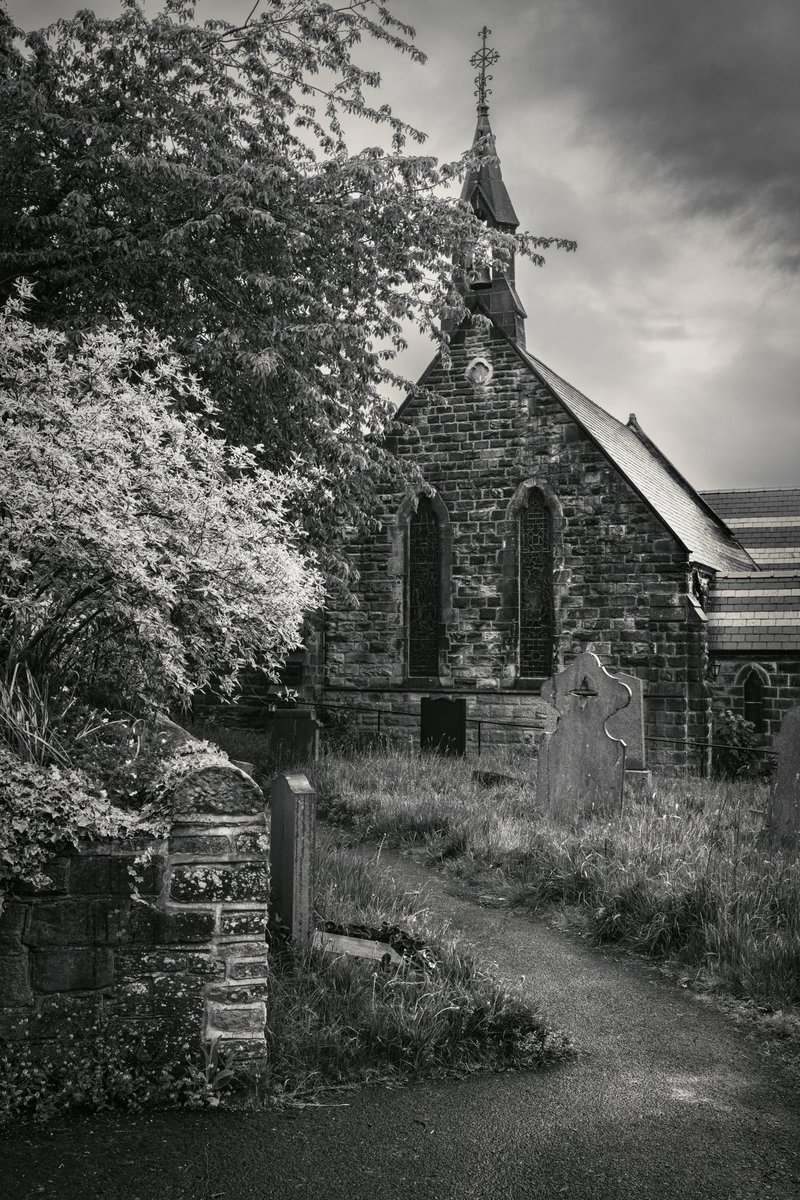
[627, 723]
[292, 833]
[784, 804]
[292, 735]
[581, 767]
[443, 725]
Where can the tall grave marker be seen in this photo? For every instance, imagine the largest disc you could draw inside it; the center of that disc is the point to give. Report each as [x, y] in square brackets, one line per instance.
[581, 767]
[293, 827]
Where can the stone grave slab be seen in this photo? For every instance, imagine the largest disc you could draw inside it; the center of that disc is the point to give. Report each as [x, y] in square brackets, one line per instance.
[293, 804]
[627, 723]
[443, 725]
[292, 735]
[581, 767]
[784, 805]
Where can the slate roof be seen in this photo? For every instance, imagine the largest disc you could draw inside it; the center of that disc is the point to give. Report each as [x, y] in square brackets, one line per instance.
[758, 613]
[766, 521]
[704, 535]
[486, 181]
[755, 613]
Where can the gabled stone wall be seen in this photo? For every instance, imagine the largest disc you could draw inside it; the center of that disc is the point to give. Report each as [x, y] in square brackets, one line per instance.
[621, 578]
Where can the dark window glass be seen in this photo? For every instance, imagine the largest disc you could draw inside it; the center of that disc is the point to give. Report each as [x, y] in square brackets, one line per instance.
[424, 584]
[754, 701]
[535, 564]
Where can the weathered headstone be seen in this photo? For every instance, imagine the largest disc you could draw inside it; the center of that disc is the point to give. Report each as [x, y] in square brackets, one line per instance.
[627, 723]
[784, 804]
[443, 725]
[581, 767]
[293, 807]
[292, 735]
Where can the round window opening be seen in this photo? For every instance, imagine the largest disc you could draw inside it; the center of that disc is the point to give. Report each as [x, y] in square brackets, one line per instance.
[479, 372]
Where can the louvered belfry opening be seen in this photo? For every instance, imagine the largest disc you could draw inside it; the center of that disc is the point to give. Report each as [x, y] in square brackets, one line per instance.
[535, 566]
[424, 590]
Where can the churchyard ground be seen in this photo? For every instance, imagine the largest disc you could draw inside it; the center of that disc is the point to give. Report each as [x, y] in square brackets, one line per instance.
[682, 873]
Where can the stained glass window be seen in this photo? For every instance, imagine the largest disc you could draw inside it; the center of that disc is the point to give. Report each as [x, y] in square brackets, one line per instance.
[535, 566]
[754, 701]
[424, 586]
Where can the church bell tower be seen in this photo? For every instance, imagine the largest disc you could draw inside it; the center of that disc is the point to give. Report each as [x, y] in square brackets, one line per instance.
[492, 290]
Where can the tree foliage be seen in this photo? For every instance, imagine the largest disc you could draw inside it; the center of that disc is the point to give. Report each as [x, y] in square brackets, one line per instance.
[139, 552]
[199, 173]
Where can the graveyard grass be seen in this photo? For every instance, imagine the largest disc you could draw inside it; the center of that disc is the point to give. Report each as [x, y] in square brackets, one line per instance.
[680, 874]
[336, 1022]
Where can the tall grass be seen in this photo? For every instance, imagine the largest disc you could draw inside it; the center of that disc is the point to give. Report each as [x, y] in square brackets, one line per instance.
[29, 721]
[336, 1021]
[682, 872]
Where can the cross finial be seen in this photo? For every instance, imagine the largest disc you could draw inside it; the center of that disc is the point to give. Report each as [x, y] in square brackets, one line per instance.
[483, 58]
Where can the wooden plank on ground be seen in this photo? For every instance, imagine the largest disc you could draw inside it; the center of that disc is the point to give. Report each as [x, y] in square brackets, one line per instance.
[338, 943]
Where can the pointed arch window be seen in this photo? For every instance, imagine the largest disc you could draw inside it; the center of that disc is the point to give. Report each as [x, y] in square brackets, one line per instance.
[753, 694]
[536, 616]
[424, 589]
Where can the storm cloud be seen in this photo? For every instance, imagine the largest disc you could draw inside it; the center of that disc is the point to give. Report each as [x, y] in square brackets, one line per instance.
[704, 94]
[664, 136]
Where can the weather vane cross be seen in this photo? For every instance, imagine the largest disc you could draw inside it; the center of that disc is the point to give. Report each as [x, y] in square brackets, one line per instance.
[482, 59]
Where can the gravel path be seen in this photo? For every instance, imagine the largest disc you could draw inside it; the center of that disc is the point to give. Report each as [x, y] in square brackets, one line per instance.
[667, 1099]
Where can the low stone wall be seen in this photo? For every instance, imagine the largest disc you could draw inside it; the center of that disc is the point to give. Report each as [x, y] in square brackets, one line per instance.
[187, 962]
[518, 720]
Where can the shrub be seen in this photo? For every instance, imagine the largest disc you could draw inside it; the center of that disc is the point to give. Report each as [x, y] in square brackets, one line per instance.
[736, 740]
[43, 809]
[140, 554]
[111, 781]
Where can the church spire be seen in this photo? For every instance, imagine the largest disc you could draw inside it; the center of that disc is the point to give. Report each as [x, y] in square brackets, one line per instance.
[484, 186]
[487, 194]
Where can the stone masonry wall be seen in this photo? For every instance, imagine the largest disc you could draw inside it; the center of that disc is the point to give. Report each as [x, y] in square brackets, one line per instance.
[621, 578]
[186, 963]
[781, 688]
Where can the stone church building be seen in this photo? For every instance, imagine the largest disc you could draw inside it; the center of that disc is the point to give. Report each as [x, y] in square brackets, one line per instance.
[551, 528]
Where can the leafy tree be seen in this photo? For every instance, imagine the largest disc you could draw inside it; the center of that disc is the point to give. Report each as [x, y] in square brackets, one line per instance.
[199, 174]
[140, 554]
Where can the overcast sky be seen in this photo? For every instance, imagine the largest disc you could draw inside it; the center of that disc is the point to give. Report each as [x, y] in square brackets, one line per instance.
[664, 136]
